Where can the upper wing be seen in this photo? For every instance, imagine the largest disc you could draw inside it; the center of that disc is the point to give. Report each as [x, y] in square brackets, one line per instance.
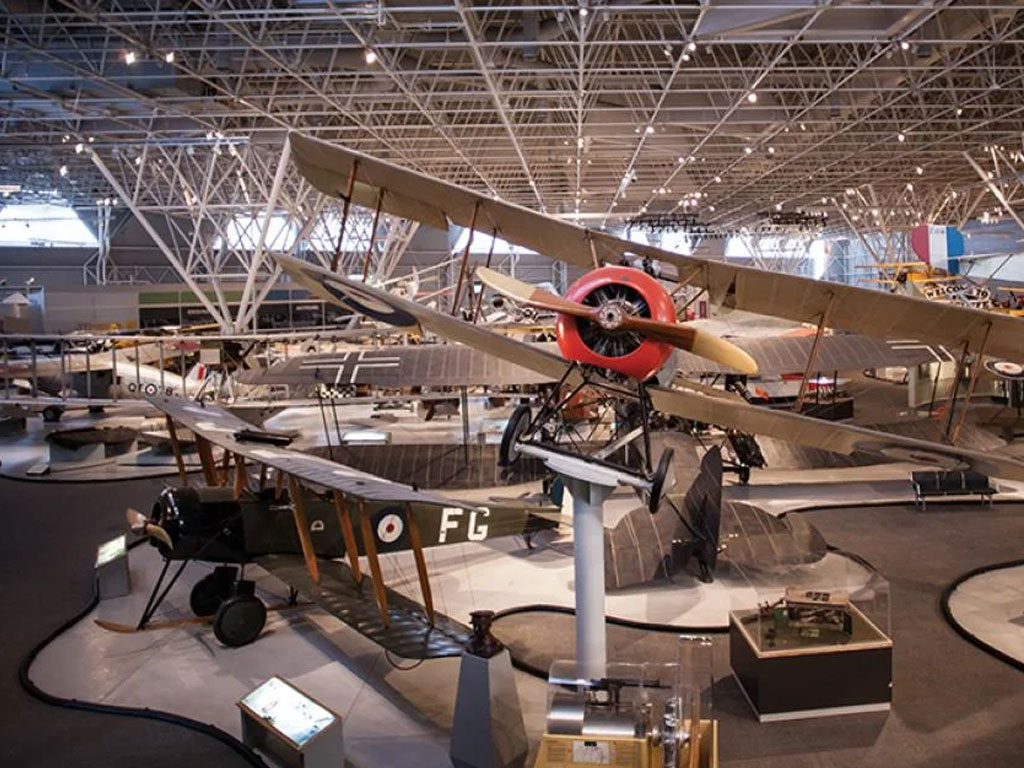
[876, 313]
[388, 308]
[427, 365]
[221, 428]
[830, 436]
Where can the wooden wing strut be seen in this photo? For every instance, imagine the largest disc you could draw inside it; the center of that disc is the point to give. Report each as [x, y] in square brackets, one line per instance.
[176, 447]
[348, 535]
[302, 526]
[370, 545]
[206, 459]
[421, 563]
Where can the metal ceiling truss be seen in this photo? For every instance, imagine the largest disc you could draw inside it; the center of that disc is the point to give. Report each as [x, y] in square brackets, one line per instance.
[601, 110]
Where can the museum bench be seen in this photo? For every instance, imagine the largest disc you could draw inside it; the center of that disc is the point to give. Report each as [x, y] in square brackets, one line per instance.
[938, 483]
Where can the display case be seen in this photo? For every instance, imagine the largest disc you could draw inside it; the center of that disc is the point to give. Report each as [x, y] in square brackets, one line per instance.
[652, 715]
[816, 642]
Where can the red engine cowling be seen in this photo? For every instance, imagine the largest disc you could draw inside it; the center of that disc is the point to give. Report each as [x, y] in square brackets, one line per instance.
[623, 352]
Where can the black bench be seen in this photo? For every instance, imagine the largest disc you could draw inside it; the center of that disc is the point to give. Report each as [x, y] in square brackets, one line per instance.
[950, 483]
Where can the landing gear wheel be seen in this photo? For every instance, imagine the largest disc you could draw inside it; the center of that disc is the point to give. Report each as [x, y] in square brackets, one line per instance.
[210, 591]
[52, 414]
[239, 620]
[508, 453]
[658, 481]
[744, 474]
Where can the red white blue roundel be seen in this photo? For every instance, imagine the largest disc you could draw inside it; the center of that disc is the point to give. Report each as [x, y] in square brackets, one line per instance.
[938, 246]
[390, 527]
[1005, 369]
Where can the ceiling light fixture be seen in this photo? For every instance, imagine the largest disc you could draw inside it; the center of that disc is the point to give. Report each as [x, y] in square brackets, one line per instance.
[752, 97]
[370, 55]
[129, 57]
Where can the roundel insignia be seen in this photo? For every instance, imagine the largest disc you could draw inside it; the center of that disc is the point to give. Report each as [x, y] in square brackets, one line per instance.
[366, 303]
[1005, 369]
[150, 388]
[390, 529]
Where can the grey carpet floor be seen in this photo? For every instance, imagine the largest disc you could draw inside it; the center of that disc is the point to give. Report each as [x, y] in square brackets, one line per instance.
[48, 538]
[953, 705]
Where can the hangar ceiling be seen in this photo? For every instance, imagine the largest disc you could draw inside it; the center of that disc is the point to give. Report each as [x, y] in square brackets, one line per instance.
[597, 109]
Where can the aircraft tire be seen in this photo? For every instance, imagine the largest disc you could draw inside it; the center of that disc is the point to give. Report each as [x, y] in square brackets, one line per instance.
[239, 620]
[508, 454]
[209, 592]
[52, 414]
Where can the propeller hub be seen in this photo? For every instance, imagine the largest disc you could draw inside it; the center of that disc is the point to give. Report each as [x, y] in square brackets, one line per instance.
[610, 315]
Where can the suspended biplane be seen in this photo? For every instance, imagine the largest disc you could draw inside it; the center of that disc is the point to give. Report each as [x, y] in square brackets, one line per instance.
[617, 326]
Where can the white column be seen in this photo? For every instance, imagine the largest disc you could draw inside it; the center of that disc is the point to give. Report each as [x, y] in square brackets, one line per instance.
[588, 556]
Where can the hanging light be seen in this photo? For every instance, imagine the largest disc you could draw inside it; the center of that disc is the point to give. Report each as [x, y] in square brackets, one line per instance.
[169, 57]
[370, 56]
[63, 170]
[752, 97]
[901, 137]
[129, 57]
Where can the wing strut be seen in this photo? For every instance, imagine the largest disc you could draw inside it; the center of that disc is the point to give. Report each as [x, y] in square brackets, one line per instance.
[302, 526]
[812, 356]
[206, 459]
[348, 534]
[371, 555]
[176, 447]
[241, 481]
[421, 563]
[975, 372]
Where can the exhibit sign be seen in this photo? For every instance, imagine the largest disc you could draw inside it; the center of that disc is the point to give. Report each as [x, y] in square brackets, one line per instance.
[290, 724]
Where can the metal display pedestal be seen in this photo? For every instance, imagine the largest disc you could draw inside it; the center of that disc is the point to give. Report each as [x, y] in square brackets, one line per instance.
[113, 578]
[488, 731]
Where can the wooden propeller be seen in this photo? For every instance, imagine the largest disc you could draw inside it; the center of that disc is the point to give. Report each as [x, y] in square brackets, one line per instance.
[613, 318]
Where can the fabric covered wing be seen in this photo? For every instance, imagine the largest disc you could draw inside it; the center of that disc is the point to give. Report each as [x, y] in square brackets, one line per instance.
[388, 308]
[219, 427]
[839, 352]
[859, 310]
[829, 436]
[428, 365]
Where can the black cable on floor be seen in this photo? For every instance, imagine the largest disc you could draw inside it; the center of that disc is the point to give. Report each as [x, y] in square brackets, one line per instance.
[973, 639]
[542, 674]
[247, 754]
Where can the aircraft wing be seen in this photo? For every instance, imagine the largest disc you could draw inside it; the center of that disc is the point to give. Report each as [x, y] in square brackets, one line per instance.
[721, 409]
[413, 195]
[426, 365]
[79, 362]
[828, 435]
[839, 352]
[388, 308]
[449, 365]
[223, 429]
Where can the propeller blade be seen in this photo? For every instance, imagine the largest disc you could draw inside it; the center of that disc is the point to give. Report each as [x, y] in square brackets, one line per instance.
[136, 520]
[690, 339]
[154, 531]
[524, 293]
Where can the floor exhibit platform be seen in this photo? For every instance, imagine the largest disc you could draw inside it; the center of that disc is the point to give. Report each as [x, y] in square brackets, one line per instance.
[952, 702]
[986, 605]
[22, 456]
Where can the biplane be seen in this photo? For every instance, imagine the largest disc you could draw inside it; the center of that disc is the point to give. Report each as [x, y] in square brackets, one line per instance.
[313, 511]
[616, 334]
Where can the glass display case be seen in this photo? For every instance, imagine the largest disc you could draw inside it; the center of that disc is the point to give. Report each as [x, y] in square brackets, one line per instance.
[840, 602]
[643, 715]
[813, 641]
